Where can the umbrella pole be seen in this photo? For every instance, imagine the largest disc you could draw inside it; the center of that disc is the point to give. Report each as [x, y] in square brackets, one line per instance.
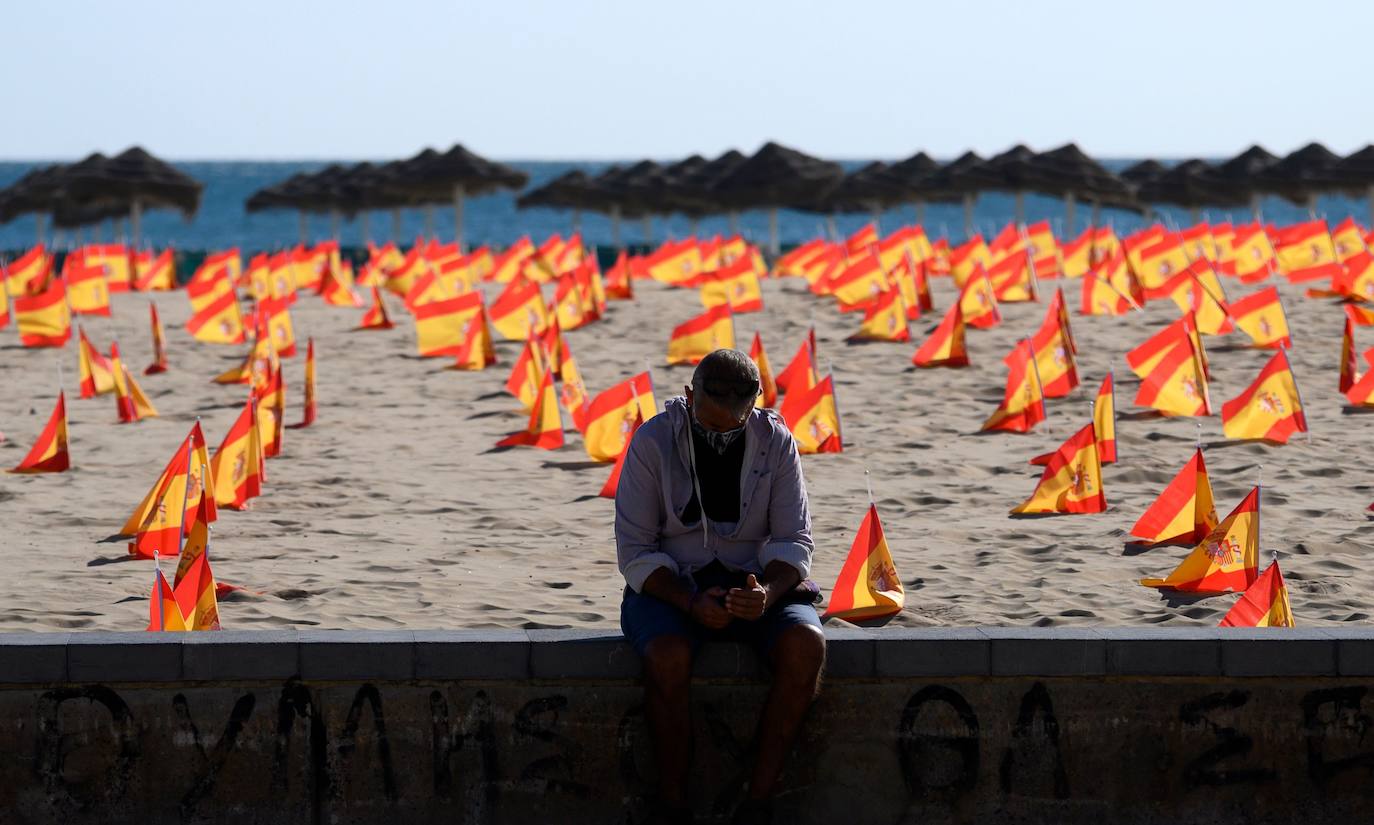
[367, 226]
[396, 224]
[921, 212]
[734, 222]
[693, 225]
[968, 215]
[773, 246]
[1312, 207]
[458, 215]
[1069, 216]
[300, 226]
[118, 227]
[648, 223]
[1371, 204]
[615, 226]
[334, 224]
[429, 221]
[1193, 215]
[39, 219]
[577, 221]
[1255, 206]
[877, 221]
[1020, 208]
[1097, 214]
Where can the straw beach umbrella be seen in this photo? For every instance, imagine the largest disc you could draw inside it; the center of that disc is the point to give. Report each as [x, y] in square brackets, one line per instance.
[569, 190]
[138, 180]
[1302, 175]
[914, 172]
[1070, 173]
[1356, 171]
[776, 177]
[454, 175]
[1239, 177]
[1190, 185]
[961, 177]
[38, 192]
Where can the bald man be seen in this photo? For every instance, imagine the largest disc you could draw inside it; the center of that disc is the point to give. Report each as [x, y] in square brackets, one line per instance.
[713, 537]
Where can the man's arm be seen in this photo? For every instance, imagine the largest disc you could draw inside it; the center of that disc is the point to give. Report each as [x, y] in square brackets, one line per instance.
[639, 516]
[786, 558]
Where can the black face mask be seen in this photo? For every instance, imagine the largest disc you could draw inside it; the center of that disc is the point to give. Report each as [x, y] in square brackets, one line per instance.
[719, 441]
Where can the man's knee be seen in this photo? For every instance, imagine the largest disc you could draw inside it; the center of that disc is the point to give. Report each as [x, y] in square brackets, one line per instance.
[668, 662]
[799, 652]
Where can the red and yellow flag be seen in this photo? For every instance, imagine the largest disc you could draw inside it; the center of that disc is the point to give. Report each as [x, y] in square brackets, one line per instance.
[978, 302]
[608, 490]
[813, 417]
[271, 414]
[568, 306]
[1260, 315]
[1014, 279]
[618, 283]
[1251, 257]
[441, 325]
[1226, 560]
[860, 283]
[1305, 252]
[43, 318]
[1076, 256]
[308, 414]
[1270, 408]
[28, 274]
[1023, 405]
[163, 612]
[1054, 359]
[1104, 419]
[768, 397]
[88, 293]
[158, 274]
[49, 452]
[238, 468]
[868, 586]
[801, 370]
[945, 346]
[675, 263]
[194, 584]
[967, 258]
[156, 524]
[1263, 604]
[96, 374]
[1072, 481]
[376, 316]
[519, 311]
[219, 322]
[611, 414]
[1184, 512]
[1176, 383]
[573, 390]
[159, 364]
[885, 319]
[507, 265]
[1347, 240]
[477, 351]
[130, 401]
[545, 428]
[693, 340]
[736, 286]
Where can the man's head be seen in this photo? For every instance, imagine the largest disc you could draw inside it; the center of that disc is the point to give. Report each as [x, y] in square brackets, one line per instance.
[723, 391]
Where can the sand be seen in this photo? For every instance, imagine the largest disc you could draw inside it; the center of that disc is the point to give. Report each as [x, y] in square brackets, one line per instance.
[393, 511]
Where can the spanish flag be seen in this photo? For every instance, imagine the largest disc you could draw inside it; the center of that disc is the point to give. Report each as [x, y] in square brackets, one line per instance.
[1076, 255]
[256, 366]
[862, 240]
[519, 311]
[1105, 244]
[978, 302]
[545, 428]
[88, 292]
[1104, 419]
[1252, 257]
[1014, 279]
[618, 286]
[813, 417]
[279, 328]
[1263, 604]
[675, 263]
[97, 376]
[793, 263]
[159, 364]
[801, 370]
[376, 316]
[130, 401]
[527, 374]
[1260, 315]
[1043, 250]
[1176, 384]
[163, 612]
[1198, 290]
[967, 258]
[159, 274]
[769, 395]
[194, 584]
[477, 351]
[1072, 481]
[506, 266]
[736, 286]
[440, 325]
[860, 283]
[1184, 513]
[49, 452]
[1305, 252]
[611, 414]
[238, 466]
[1226, 560]
[573, 393]
[608, 490]
[1054, 360]
[1357, 278]
[201, 293]
[219, 322]
[1143, 359]
[911, 278]
[271, 413]
[308, 416]
[4, 305]
[884, 320]
[568, 309]
[1023, 404]
[156, 524]
[28, 273]
[44, 319]
[1270, 408]
[868, 586]
[1347, 240]
[693, 340]
[336, 288]
[1161, 261]
[945, 346]
[1350, 364]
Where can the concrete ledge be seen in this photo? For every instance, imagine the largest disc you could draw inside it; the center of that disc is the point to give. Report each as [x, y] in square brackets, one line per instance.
[579, 655]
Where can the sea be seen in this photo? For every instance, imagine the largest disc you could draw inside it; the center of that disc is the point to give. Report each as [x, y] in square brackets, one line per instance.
[494, 219]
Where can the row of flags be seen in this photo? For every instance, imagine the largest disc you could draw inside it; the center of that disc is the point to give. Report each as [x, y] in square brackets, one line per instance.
[558, 286]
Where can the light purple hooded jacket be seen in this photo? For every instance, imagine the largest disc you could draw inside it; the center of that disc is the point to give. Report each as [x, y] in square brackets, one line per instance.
[656, 486]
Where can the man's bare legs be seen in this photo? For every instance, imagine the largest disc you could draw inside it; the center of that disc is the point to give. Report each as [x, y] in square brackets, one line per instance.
[797, 658]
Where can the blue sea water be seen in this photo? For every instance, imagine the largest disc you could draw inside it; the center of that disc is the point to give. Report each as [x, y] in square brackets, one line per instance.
[493, 219]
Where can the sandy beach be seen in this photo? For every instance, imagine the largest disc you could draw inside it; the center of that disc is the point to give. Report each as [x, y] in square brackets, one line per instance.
[394, 511]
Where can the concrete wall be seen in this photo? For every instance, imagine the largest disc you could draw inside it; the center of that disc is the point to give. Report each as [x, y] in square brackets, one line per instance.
[960, 725]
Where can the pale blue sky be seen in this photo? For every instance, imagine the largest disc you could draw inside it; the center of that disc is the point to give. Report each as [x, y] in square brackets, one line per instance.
[587, 80]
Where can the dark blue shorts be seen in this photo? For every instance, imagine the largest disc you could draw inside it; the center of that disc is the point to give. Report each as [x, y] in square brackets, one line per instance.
[644, 618]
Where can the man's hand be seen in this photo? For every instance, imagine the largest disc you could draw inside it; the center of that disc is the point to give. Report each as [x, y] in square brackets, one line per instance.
[747, 602]
[706, 608]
